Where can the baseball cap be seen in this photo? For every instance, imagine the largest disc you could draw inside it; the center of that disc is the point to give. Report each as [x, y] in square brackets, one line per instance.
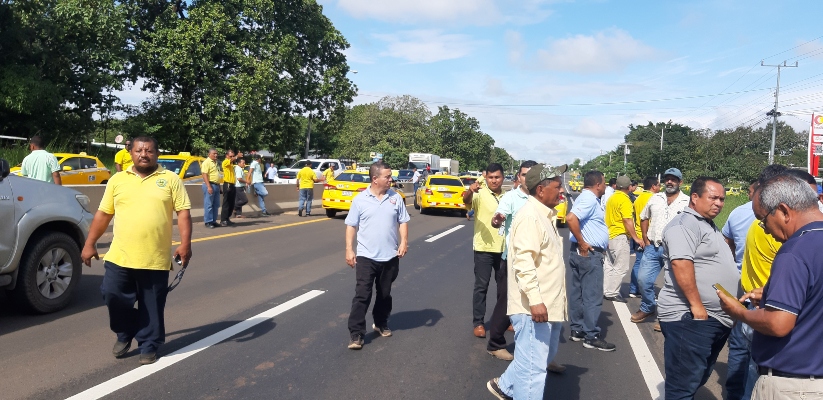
[674, 172]
[540, 172]
[623, 182]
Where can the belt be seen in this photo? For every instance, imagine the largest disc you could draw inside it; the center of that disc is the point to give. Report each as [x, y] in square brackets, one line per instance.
[774, 372]
[213, 183]
[657, 243]
[595, 248]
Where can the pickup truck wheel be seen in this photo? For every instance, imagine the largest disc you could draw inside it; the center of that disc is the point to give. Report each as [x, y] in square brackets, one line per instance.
[331, 213]
[49, 271]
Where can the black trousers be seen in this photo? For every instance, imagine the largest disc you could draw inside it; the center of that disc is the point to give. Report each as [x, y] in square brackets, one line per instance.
[229, 192]
[121, 288]
[240, 200]
[380, 274]
[484, 264]
[500, 318]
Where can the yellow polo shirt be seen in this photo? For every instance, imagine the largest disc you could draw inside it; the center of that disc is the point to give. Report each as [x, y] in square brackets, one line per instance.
[209, 167]
[123, 157]
[757, 257]
[306, 178]
[142, 209]
[618, 207]
[639, 204]
[228, 172]
[328, 174]
[486, 237]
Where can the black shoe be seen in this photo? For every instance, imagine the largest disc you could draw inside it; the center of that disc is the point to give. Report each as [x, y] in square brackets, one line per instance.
[356, 342]
[120, 348]
[265, 213]
[493, 387]
[617, 298]
[300, 212]
[224, 223]
[598, 344]
[148, 358]
[382, 330]
[308, 215]
[577, 336]
[210, 226]
[635, 295]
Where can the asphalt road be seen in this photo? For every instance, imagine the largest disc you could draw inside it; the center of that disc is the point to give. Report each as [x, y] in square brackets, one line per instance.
[239, 272]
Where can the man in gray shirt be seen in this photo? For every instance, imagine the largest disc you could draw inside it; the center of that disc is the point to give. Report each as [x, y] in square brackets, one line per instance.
[693, 323]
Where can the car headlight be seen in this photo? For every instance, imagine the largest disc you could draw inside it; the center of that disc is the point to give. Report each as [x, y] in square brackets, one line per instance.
[84, 202]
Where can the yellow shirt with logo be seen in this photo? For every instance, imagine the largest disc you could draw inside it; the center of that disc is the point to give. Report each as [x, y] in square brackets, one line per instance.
[228, 172]
[486, 237]
[757, 257]
[143, 219]
[306, 178]
[639, 204]
[123, 157]
[618, 207]
[209, 167]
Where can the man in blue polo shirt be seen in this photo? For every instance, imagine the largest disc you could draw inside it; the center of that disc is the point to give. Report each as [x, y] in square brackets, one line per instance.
[786, 342]
[378, 219]
[589, 240]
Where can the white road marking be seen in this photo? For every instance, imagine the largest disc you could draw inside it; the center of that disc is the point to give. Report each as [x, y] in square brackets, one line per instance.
[433, 238]
[135, 375]
[651, 373]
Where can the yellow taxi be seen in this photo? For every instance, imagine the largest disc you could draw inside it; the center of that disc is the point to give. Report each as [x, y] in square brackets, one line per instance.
[185, 165]
[340, 191]
[442, 192]
[734, 191]
[79, 169]
[561, 209]
[576, 185]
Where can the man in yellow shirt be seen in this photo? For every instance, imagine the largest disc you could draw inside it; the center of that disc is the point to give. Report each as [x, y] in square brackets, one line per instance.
[488, 246]
[229, 191]
[622, 236]
[211, 189]
[305, 184]
[122, 160]
[137, 264]
[650, 186]
[328, 174]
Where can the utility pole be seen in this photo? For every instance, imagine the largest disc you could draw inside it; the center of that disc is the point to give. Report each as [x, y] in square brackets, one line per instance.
[625, 153]
[773, 113]
[308, 137]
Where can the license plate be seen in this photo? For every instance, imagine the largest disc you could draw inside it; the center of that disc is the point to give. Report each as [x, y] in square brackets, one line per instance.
[347, 193]
[447, 195]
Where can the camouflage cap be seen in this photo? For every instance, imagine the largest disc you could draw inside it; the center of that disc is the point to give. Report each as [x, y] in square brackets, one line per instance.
[540, 172]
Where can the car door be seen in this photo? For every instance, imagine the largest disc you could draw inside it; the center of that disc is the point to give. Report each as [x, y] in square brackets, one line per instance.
[88, 170]
[74, 175]
[9, 231]
[192, 174]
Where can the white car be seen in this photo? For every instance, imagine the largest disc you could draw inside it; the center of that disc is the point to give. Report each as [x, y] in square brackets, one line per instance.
[320, 165]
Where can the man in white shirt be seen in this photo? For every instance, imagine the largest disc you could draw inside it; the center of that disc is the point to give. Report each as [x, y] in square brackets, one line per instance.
[271, 173]
[415, 179]
[661, 208]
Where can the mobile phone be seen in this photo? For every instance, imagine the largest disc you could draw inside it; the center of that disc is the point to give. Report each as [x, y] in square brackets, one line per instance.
[723, 290]
[178, 260]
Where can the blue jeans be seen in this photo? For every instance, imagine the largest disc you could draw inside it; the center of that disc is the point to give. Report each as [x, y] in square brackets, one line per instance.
[689, 352]
[638, 255]
[121, 288]
[261, 191]
[742, 373]
[306, 196]
[535, 347]
[585, 294]
[211, 202]
[650, 266]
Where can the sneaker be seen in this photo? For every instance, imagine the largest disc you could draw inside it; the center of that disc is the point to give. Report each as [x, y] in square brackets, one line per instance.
[120, 348]
[640, 316]
[265, 213]
[493, 387]
[209, 226]
[634, 295]
[577, 336]
[356, 342]
[224, 223]
[382, 330]
[617, 298]
[148, 358]
[598, 344]
[300, 212]
[502, 354]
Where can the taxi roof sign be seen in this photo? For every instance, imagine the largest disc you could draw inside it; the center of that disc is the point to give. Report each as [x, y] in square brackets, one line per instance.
[184, 153]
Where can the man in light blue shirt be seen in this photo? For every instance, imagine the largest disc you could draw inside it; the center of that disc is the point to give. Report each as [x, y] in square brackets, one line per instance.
[256, 173]
[589, 241]
[736, 227]
[378, 220]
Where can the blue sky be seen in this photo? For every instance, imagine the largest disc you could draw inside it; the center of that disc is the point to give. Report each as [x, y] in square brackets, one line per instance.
[525, 68]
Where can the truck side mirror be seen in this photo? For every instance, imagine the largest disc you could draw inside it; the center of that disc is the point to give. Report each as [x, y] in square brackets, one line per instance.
[4, 169]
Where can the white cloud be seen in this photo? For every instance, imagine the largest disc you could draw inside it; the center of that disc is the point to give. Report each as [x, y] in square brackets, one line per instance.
[515, 46]
[590, 128]
[605, 51]
[494, 88]
[467, 12]
[355, 55]
[426, 45]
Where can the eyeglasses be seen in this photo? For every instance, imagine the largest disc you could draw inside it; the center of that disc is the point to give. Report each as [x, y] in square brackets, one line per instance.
[762, 222]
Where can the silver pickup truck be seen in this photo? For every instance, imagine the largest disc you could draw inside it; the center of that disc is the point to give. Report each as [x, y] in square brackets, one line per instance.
[44, 227]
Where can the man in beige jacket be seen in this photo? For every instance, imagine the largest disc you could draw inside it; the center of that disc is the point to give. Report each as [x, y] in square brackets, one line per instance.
[537, 288]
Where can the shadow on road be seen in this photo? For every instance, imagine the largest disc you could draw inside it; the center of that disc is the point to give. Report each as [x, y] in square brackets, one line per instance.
[566, 386]
[86, 296]
[192, 335]
[407, 320]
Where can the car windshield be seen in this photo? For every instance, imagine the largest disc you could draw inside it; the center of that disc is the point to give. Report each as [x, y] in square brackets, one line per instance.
[171, 165]
[405, 174]
[468, 181]
[352, 177]
[445, 182]
[299, 164]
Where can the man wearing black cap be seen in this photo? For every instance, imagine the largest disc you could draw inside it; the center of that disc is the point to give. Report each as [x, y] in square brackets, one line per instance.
[537, 288]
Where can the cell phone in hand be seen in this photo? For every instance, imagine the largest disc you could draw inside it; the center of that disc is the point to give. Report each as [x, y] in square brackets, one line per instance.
[178, 260]
[723, 290]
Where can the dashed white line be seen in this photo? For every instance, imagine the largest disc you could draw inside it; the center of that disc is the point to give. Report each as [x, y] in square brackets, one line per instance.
[135, 375]
[433, 238]
[651, 373]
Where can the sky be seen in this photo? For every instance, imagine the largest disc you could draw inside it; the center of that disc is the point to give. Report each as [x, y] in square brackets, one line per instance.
[557, 80]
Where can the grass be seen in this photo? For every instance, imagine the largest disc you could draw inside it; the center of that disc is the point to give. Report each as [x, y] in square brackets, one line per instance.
[732, 202]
